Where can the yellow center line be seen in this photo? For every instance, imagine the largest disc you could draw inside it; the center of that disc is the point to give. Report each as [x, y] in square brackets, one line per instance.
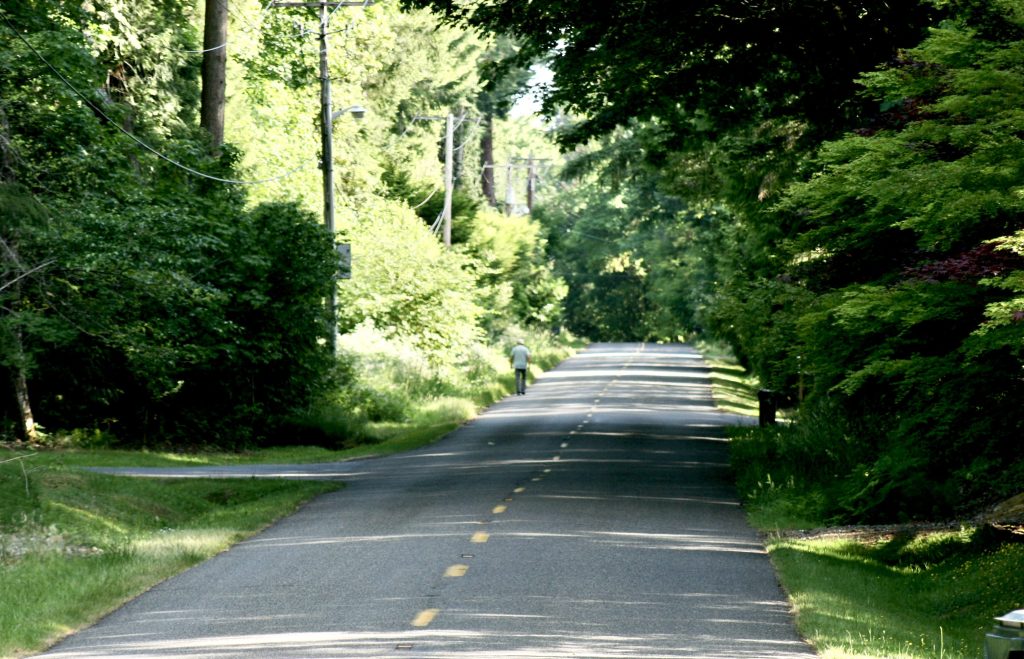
[425, 617]
[480, 537]
[499, 509]
[519, 490]
[457, 570]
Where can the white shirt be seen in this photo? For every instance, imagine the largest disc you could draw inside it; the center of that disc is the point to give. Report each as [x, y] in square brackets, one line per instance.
[520, 356]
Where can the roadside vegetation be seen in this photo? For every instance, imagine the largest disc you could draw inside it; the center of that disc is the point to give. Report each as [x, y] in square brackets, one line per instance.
[75, 545]
[844, 212]
[164, 298]
[107, 538]
[733, 388]
[893, 591]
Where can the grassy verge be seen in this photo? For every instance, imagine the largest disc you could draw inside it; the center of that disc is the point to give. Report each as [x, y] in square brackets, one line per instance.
[397, 391]
[903, 596]
[75, 545]
[888, 594]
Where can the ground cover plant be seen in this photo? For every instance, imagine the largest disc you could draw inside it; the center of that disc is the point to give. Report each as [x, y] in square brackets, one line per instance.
[395, 390]
[880, 592]
[105, 539]
[901, 595]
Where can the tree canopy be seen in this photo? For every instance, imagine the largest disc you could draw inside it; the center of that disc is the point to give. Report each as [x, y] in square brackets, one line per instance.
[834, 189]
[701, 68]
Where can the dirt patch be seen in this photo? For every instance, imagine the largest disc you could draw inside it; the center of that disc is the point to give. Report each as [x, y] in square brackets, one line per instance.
[868, 532]
[14, 546]
[1005, 519]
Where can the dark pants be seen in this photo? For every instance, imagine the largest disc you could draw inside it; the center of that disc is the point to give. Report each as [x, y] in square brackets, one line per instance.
[520, 380]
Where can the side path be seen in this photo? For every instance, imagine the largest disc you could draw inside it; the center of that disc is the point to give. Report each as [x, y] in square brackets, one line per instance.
[592, 517]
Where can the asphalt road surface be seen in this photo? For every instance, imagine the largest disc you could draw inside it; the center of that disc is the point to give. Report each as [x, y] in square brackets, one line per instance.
[592, 517]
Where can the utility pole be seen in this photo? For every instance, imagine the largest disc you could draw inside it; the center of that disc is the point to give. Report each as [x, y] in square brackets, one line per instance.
[449, 147]
[327, 141]
[214, 71]
[531, 182]
[510, 196]
[530, 175]
[487, 161]
[326, 127]
[449, 170]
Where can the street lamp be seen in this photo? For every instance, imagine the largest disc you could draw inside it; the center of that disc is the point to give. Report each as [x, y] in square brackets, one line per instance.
[357, 111]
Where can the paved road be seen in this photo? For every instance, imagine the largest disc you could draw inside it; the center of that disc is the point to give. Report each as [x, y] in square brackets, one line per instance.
[592, 517]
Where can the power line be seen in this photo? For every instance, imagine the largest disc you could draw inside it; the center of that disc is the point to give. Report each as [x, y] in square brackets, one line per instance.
[241, 17]
[366, 3]
[429, 197]
[95, 108]
[205, 50]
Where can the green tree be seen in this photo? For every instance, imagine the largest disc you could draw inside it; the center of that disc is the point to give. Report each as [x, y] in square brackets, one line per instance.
[168, 311]
[407, 285]
[905, 239]
[719, 63]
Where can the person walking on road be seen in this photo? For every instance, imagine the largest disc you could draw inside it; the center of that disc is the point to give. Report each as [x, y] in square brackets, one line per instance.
[520, 359]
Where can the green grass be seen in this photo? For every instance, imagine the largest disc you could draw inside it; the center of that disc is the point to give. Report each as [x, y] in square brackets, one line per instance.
[105, 539]
[908, 597]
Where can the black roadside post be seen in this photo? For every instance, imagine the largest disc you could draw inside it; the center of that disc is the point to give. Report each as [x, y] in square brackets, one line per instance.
[767, 403]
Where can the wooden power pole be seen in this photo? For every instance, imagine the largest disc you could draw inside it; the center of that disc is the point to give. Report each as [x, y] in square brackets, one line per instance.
[326, 139]
[214, 71]
[449, 147]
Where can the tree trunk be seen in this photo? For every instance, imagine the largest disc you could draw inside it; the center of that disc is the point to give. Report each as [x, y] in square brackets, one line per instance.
[28, 423]
[487, 161]
[6, 151]
[214, 70]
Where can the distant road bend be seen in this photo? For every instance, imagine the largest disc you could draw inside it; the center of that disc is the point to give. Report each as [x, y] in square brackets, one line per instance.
[593, 517]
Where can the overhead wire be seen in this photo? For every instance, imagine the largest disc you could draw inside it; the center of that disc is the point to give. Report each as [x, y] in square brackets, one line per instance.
[252, 28]
[429, 197]
[437, 188]
[366, 3]
[203, 51]
[95, 108]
